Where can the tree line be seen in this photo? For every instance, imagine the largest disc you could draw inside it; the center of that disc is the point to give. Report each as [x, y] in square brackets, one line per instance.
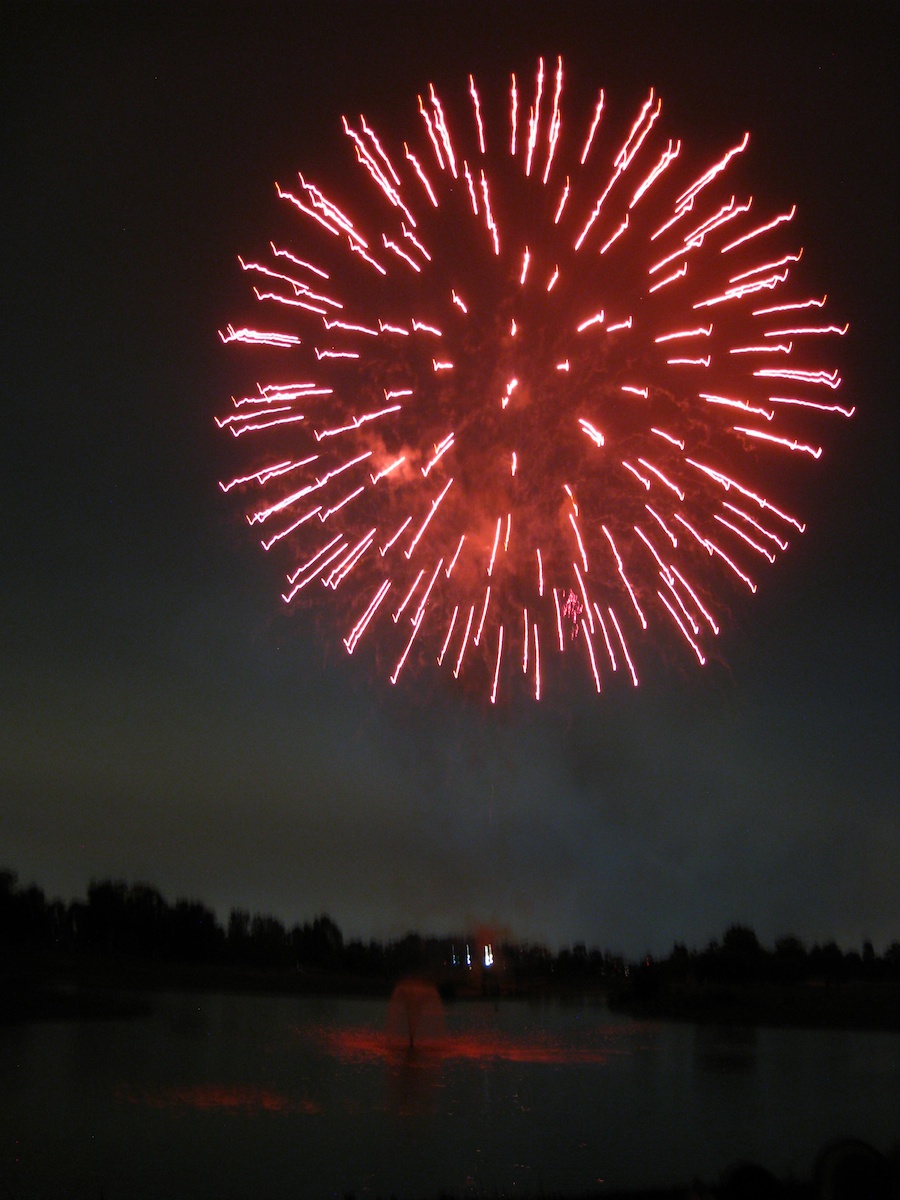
[133, 921]
[739, 958]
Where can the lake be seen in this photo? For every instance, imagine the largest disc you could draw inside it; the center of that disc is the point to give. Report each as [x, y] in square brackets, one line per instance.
[212, 1097]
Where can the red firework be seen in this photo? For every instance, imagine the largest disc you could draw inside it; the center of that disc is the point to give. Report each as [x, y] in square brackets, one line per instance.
[527, 390]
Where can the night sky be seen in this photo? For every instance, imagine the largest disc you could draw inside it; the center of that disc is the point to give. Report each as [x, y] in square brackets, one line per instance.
[164, 720]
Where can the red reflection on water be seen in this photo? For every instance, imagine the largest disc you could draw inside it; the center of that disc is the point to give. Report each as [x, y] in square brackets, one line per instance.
[415, 1013]
[242, 1099]
[366, 1044]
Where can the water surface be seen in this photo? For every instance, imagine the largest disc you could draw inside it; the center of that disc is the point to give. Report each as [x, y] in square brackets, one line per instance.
[214, 1097]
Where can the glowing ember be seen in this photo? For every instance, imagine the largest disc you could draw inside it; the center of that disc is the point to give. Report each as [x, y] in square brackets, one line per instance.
[528, 373]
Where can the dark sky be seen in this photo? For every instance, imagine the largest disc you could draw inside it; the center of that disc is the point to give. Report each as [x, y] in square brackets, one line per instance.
[161, 718]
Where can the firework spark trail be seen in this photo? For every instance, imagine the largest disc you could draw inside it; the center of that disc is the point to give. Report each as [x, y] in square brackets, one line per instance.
[522, 382]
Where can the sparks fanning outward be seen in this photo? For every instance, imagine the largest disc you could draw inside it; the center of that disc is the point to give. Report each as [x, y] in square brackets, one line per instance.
[529, 388]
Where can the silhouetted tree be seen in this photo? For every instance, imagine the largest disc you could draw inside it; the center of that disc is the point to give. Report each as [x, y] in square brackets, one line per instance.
[238, 935]
[194, 934]
[269, 943]
[105, 921]
[827, 962]
[24, 916]
[869, 962]
[790, 963]
[148, 918]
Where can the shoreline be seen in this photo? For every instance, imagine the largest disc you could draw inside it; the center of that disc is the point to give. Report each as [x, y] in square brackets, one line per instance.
[105, 988]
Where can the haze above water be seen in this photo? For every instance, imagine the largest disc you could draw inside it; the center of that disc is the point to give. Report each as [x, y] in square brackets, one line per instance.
[230, 1096]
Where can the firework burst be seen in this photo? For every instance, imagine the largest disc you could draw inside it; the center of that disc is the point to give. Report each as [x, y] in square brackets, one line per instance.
[529, 389]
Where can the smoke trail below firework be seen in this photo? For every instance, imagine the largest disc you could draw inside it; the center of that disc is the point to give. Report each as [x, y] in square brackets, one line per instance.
[527, 401]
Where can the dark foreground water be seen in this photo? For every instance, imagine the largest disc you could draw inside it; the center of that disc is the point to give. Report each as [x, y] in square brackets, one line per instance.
[219, 1097]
